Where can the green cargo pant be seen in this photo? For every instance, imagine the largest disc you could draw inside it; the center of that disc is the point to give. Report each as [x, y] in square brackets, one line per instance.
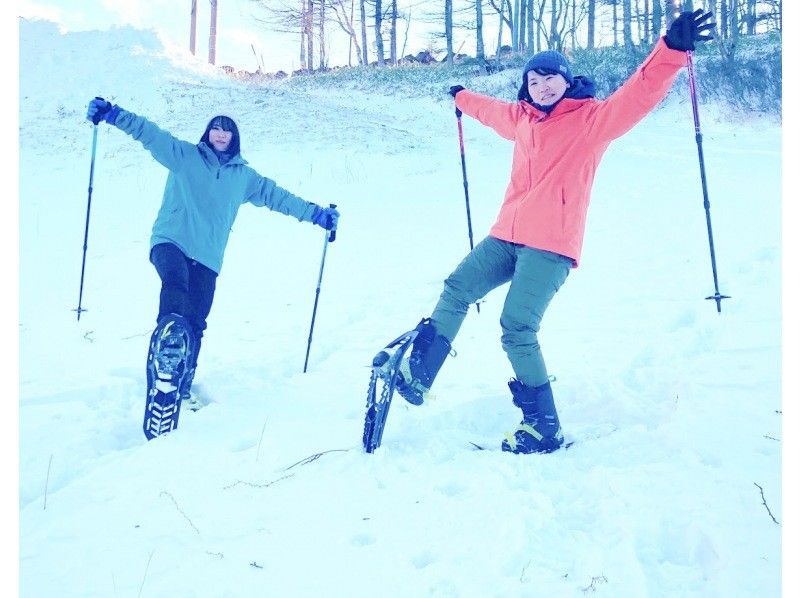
[535, 276]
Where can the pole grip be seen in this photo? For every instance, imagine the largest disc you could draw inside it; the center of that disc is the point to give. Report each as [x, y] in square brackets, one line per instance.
[332, 236]
[97, 118]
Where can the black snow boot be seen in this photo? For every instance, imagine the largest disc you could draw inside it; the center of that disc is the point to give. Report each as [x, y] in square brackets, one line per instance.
[418, 370]
[539, 431]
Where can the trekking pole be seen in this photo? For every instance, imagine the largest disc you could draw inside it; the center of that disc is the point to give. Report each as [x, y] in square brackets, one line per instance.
[88, 210]
[466, 185]
[699, 138]
[330, 236]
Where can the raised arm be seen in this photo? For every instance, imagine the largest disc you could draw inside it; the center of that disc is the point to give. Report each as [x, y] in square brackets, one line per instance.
[652, 80]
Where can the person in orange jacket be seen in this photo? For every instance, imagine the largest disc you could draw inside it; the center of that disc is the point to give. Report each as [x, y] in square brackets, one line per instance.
[560, 133]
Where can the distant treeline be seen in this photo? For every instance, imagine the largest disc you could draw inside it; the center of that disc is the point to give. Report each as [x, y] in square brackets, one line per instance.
[378, 30]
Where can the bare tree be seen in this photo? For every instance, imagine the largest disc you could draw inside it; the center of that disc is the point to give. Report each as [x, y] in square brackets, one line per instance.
[506, 19]
[627, 37]
[554, 40]
[287, 16]
[530, 18]
[590, 26]
[378, 34]
[407, 18]
[323, 60]
[344, 17]
[751, 17]
[480, 53]
[393, 33]
[308, 31]
[212, 34]
[723, 19]
[656, 17]
[193, 28]
[448, 29]
[303, 37]
[362, 5]
[615, 18]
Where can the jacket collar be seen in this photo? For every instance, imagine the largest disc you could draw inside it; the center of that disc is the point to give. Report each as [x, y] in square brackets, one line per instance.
[209, 154]
[564, 106]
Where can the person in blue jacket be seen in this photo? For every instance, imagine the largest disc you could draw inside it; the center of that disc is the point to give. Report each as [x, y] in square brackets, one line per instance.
[207, 183]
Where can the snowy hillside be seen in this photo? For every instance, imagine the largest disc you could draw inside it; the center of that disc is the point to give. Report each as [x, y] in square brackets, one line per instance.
[673, 487]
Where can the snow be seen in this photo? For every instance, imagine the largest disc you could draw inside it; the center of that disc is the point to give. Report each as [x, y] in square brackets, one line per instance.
[672, 489]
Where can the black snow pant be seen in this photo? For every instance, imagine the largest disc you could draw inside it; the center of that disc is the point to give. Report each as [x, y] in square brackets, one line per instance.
[187, 289]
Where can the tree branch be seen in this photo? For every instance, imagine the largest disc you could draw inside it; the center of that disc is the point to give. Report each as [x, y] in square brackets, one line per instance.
[764, 500]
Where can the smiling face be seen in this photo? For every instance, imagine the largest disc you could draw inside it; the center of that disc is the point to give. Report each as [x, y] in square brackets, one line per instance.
[219, 138]
[547, 89]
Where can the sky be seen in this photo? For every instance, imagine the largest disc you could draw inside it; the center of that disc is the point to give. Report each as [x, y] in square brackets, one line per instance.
[237, 30]
[673, 407]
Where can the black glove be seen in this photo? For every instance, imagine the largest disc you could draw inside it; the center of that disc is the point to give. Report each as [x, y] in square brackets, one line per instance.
[455, 89]
[688, 28]
[99, 109]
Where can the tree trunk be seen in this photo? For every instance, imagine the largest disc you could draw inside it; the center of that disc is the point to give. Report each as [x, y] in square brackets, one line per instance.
[378, 34]
[352, 37]
[322, 54]
[393, 34]
[448, 30]
[554, 38]
[303, 64]
[723, 19]
[627, 38]
[212, 34]
[574, 27]
[310, 35]
[540, 26]
[500, 34]
[530, 19]
[734, 23]
[751, 17]
[193, 28]
[590, 25]
[655, 25]
[364, 57]
[480, 52]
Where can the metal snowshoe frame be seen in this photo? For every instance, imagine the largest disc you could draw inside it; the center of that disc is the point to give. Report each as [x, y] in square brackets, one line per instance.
[385, 366]
[166, 368]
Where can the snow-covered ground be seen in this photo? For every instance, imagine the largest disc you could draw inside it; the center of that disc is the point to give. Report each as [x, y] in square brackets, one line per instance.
[672, 489]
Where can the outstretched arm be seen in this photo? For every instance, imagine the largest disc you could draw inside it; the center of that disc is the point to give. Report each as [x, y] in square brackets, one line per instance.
[265, 192]
[165, 148]
[496, 114]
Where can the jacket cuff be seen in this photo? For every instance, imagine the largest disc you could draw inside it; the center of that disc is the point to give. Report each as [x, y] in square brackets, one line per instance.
[668, 55]
[111, 116]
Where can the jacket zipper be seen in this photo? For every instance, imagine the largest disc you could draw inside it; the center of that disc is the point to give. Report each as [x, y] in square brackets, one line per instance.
[514, 221]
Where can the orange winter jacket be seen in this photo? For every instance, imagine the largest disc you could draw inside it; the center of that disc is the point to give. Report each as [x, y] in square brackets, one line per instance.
[556, 155]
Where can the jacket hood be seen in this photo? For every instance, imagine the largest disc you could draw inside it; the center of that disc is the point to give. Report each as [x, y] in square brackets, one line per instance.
[582, 87]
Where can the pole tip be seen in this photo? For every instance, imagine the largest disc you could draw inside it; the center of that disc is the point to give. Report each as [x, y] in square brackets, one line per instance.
[718, 298]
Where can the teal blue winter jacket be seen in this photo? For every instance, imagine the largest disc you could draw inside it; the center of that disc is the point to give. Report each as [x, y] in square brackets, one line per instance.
[202, 196]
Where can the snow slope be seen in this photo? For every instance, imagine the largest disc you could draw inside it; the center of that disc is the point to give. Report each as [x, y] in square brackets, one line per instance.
[674, 485]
